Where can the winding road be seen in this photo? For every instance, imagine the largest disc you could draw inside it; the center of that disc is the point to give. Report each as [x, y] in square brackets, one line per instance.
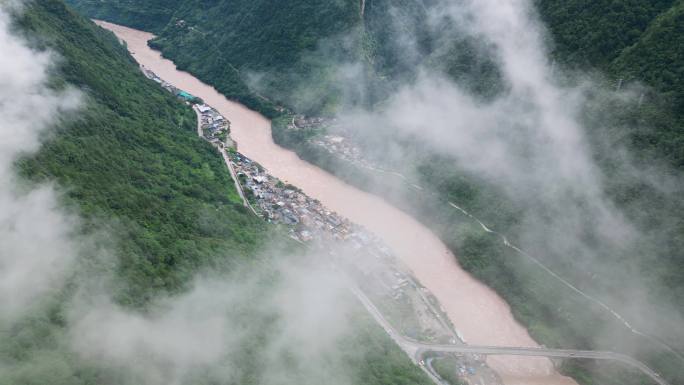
[416, 350]
[540, 352]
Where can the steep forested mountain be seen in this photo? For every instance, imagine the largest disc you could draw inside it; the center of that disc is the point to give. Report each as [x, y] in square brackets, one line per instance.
[254, 42]
[152, 15]
[597, 32]
[159, 206]
[631, 39]
[226, 42]
[132, 155]
[309, 56]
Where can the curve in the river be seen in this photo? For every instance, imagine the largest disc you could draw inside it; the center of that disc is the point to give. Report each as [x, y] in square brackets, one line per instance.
[481, 316]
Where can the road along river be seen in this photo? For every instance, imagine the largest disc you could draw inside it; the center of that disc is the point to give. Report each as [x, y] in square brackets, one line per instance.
[480, 315]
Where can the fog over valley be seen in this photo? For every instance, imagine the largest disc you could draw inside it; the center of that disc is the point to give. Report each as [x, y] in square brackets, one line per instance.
[380, 192]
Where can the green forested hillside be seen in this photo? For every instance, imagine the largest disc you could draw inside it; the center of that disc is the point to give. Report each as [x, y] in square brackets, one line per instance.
[231, 44]
[596, 32]
[656, 58]
[262, 54]
[255, 42]
[632, 40]
[148, 15]
[160, 200]
[255, 36]
[133, 155]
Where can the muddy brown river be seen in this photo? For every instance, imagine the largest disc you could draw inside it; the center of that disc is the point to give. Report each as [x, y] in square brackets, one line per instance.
[481, 316]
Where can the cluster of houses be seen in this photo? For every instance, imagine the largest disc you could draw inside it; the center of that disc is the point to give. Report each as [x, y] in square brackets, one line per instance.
[308, 219]
[168, 86]
[301, 122]
[342, 148]
[337, 145]
[214, 126]
[285, 204]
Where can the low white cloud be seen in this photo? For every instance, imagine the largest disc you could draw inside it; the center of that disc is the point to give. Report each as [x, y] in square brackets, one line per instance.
[295, 316]
[289, 322]
[529, 141]
[36, 249]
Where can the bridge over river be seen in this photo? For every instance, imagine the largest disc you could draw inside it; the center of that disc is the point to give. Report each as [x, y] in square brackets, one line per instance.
[417, 350]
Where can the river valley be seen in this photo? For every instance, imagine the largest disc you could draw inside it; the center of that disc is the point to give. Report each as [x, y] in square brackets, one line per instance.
[479, 314]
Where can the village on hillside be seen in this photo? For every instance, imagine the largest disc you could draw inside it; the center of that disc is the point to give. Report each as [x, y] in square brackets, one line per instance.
[362, 257]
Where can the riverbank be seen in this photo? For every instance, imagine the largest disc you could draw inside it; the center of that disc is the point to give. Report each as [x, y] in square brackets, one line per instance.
[476, 310]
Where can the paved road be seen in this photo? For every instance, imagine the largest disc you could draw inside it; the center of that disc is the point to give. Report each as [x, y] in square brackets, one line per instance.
[537, 262]
[537, 352]
[226, 159]
[233, 175]
[416, 349]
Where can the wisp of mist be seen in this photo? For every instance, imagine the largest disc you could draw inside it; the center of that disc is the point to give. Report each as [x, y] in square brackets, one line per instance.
[529, 140]
[36, 249]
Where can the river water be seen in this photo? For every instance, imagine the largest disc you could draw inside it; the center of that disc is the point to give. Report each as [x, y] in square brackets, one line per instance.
[481, 316]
